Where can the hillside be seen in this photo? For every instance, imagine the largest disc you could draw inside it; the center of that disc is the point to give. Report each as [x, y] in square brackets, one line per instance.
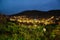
[34, 13]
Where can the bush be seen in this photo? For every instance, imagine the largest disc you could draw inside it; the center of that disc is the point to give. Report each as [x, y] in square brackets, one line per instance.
[13, 31]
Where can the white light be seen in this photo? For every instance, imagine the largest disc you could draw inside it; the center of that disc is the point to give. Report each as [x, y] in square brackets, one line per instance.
[44, 29]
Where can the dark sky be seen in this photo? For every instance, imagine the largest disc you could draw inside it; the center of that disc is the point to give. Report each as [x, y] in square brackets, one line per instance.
[15, 6]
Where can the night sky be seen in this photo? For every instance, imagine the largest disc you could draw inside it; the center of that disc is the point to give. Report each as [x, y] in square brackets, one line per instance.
[15, 6]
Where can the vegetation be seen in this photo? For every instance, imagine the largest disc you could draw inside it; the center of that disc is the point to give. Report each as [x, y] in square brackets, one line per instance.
[13, 31]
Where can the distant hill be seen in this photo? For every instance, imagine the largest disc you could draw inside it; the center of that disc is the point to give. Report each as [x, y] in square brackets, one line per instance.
[35, 13]
[29, 12]
[54, 12]
[39, 13]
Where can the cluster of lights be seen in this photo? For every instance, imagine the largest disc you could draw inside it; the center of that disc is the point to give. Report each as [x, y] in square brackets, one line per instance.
[24, 19]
